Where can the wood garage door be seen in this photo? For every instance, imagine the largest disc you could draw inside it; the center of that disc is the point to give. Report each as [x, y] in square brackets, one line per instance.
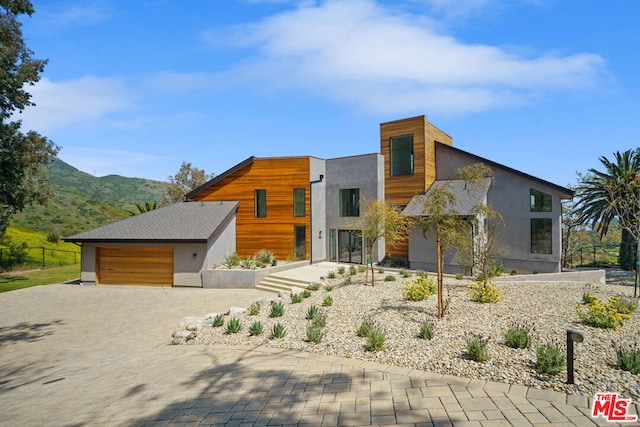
[134, 266]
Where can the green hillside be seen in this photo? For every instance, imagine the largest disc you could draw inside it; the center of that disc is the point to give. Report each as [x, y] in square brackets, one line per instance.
[81, 201]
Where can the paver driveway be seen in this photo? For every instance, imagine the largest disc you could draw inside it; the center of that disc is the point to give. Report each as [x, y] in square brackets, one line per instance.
[73, 355]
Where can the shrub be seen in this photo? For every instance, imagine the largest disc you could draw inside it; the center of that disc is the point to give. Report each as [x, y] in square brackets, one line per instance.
[364, 329]
[305, 294]
[628, 359]
[231, 261]
[550, 359]
[426, 331]
[484, 292]
[311, 312]
[341, 270]
[421, 273]
[218, 321]
[390, 278]
[327, 301]
[256, 328]
[419, 289]
[274, 262]
[314, 286]
[53, 237]
[247, 262]
[353, 270]
[603, 315]
[518, 335]
[362, 269]
[277, 310]
[331, 275]
[381, 271]
[375, 340]
[278, 331]
[18, 253]
[314, 333]
[254, 309]
[296, 298]
[623, 305]
[328, 288]
[588, 298]
[459, 276]
[404, 273]
[264, 256]
[233, 326]
[319, 320]
[477, 348]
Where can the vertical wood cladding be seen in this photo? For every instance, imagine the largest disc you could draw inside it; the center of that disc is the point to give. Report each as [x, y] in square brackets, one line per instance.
[279, 177]
[399, 190]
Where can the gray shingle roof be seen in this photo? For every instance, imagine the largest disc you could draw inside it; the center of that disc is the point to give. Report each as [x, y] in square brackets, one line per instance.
[466, 196]
[192, 221]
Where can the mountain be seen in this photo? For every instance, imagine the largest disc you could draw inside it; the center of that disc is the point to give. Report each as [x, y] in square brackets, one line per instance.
[82, 201]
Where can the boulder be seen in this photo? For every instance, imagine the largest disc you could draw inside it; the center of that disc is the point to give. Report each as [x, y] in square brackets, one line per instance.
[236, 310]
[181, 337]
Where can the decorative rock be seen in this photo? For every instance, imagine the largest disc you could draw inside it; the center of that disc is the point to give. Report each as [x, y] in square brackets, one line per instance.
[190, 323]
[262, 302]
[208, 319]
[236, 310]
[181, 337]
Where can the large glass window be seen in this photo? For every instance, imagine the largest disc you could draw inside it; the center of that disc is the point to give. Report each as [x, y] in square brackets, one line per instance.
[540, 202]
[350, 202]
[300, 241]
[541, 236]
[298, 202]
[401, 149]
[260, 203]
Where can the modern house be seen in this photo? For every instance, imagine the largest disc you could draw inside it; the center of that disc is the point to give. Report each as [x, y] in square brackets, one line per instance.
[304, 208]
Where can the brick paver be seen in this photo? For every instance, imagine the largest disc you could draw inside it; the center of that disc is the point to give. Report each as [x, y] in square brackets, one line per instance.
[72, 355]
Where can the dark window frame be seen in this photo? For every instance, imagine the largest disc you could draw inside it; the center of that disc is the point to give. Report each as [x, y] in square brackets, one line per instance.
[349, 202]
[299, 211]
[401, 159]
[260, 203]
[541, 236]
[540, 201]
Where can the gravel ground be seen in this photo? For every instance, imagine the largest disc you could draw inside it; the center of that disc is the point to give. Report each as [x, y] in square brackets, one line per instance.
[549, 306]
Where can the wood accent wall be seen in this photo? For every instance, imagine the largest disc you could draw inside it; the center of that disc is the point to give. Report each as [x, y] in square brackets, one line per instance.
[279, 176]
[399, 190]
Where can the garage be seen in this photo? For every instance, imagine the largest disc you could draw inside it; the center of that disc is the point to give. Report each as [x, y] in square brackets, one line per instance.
[134, 266]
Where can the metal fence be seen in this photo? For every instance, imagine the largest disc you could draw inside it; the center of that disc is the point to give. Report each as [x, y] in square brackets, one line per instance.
[38, 256]
[591, 255]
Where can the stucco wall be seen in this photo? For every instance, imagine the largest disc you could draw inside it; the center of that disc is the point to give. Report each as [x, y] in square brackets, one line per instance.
[510, 195]
[318, 233]
[365, 172]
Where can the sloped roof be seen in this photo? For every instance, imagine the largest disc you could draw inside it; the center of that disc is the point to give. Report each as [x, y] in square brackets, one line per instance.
[180, 222]
[466, 196]
[218, 178]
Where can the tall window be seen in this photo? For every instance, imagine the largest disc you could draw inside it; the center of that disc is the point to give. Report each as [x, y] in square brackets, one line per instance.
[401, 148]
[298, 202]
[350, 202]
[540, 202]
[541, 236]
[260, 203]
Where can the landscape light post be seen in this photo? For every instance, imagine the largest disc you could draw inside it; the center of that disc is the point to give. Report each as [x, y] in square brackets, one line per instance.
[572, 336]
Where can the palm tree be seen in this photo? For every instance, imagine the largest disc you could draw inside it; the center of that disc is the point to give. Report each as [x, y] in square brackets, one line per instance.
[604, 196]
[145, 207]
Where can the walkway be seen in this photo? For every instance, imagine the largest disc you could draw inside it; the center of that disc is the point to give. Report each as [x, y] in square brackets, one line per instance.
[74, 355]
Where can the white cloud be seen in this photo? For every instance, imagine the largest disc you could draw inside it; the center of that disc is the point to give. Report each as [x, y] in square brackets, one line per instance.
[86, 14]
[76, 102]
[360, 52]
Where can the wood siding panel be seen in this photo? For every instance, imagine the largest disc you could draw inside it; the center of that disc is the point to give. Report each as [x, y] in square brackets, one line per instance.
[134, 266]
[279, 176]
[399, 190]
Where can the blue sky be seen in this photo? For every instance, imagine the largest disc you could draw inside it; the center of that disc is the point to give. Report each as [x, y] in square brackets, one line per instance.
[136, 87]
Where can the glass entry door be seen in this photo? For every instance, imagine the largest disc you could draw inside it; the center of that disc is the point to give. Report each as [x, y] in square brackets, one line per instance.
[300, 241]
[349, 247]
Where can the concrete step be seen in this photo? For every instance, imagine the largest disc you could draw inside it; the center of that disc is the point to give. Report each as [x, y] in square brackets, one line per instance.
[275, 284]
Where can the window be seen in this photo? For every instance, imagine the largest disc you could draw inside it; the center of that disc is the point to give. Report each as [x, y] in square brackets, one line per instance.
[541, 236]
[540, 202]
[260, 203]
[401, 148]
[350, 202]
[298, 202]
